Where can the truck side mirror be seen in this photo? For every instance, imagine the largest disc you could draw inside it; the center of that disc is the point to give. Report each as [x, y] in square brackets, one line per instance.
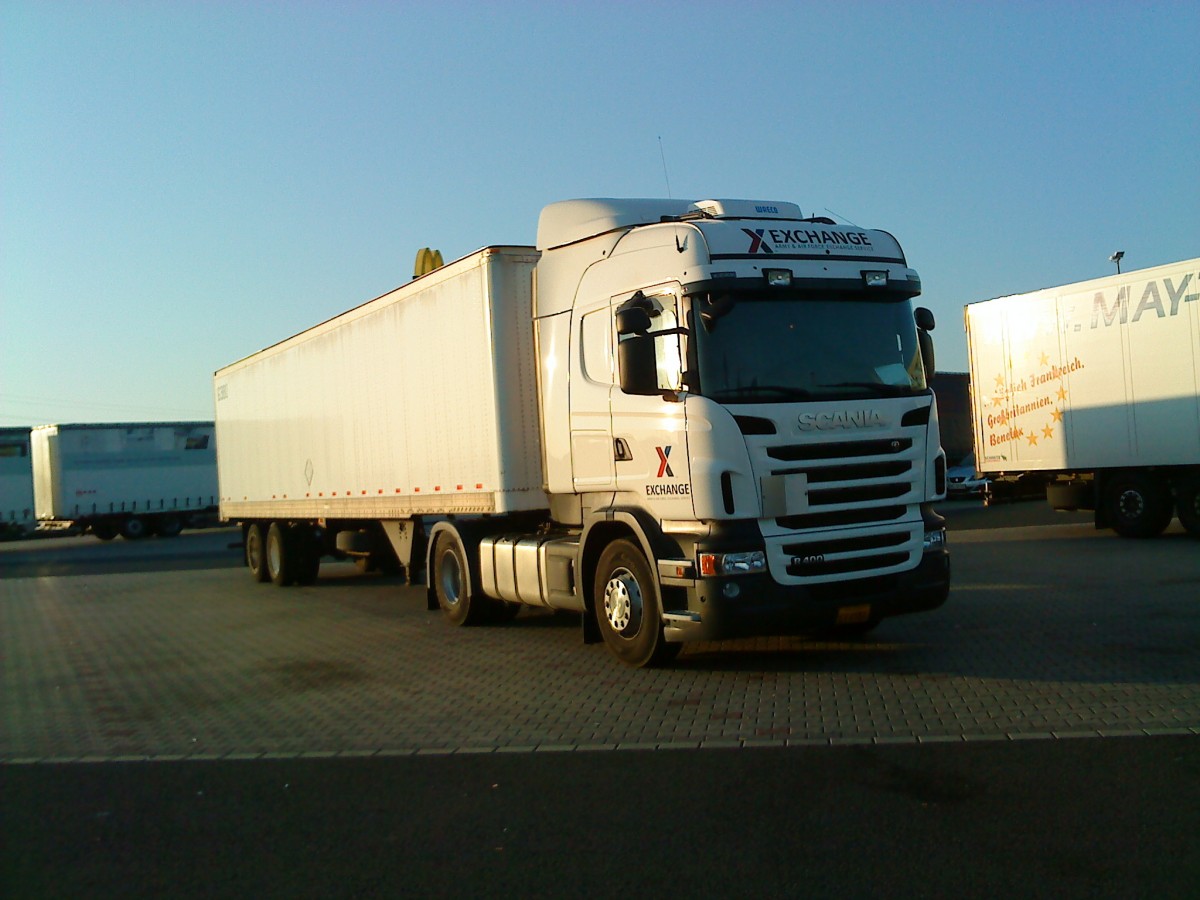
[926, 344]
[632, 320]
[925, 324]
[636, 364]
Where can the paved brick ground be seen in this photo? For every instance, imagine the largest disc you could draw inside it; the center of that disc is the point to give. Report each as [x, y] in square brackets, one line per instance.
[1051, 631]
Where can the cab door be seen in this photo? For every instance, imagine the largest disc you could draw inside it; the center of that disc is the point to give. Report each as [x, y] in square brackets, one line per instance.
[649, 431]
[593, 379]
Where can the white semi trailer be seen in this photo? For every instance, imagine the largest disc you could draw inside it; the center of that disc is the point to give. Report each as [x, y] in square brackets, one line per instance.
[133, 479]
[16, 483]
[1094, 389]
[685, 420]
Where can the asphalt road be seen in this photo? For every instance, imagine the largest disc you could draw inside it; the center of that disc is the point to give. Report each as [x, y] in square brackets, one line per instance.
[1053, 817]
[1085, 818]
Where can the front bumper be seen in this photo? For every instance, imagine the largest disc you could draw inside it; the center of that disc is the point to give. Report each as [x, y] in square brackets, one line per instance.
[764, 607]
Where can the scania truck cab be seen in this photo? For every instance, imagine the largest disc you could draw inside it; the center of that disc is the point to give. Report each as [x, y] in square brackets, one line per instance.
[739, 395]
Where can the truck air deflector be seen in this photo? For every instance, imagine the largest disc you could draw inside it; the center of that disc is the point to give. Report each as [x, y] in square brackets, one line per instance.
[780, 257]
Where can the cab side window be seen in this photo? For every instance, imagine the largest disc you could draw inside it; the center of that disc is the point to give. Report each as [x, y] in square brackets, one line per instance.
[596, 339]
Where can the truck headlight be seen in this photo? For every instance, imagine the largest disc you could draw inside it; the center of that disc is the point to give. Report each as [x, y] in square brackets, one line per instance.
[934, 540]
[733, 563]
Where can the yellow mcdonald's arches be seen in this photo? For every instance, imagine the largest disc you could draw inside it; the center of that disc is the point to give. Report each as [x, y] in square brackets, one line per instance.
[427, 261]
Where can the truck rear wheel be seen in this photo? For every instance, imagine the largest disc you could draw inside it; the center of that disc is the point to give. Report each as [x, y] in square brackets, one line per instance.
[256, 553]
[280, 558]
[1138, 504]
[625, 603]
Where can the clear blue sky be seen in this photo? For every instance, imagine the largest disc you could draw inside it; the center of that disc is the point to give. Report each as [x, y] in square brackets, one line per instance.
[184, 183]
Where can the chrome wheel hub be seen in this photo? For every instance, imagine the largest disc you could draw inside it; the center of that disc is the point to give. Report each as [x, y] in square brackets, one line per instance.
[451, 579]
[623, 602]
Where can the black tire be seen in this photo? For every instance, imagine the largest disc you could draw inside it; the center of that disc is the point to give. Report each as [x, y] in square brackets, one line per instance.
[306, 553]
[168, 526]
[1138, 504]
[452, 583]
[256, 553]
[280, 555]
[626, 606]
[105, 531]
[134, 528]
[1187, 504]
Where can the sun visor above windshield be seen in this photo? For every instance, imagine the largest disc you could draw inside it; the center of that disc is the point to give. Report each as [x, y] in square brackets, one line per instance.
[761, 239]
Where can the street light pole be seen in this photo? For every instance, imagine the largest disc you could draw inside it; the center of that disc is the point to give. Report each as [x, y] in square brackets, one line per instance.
[1116, 257]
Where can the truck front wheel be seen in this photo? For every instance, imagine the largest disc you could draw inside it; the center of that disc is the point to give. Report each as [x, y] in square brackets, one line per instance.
[452, 582]
[625, 602]
[1138, 504]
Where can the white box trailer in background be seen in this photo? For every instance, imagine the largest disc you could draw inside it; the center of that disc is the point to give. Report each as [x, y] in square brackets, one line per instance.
[16, 483]
[134, 479]
[1094, 388]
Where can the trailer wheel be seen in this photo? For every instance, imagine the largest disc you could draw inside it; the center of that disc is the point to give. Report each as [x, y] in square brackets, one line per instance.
[134, 528]
[1187, 504]
[625, 603]
[105, 531]
[168, 526]
[280, 556]
[306, 553]
[256, 553]
[1138, 504]
[452, 582]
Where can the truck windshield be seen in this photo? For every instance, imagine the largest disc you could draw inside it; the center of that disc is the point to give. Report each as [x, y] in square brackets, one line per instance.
[755, 347]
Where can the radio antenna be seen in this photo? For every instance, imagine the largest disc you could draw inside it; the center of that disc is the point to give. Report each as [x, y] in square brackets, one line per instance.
[666, 177]
[840, 216]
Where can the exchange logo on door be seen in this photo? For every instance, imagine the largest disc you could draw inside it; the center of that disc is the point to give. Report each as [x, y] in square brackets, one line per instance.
[664, 467]
[664, 471]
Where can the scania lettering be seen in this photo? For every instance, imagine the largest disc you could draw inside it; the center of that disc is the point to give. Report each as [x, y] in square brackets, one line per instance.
[635, 420]
[1091, 391]
[863, 418]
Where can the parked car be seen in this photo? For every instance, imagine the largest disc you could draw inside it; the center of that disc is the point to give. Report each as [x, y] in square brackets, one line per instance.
[963, 480]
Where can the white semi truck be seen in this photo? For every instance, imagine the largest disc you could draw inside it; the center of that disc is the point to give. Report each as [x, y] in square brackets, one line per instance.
[134, 479]
[1093, 388]
[16, 483]
[684, 420]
